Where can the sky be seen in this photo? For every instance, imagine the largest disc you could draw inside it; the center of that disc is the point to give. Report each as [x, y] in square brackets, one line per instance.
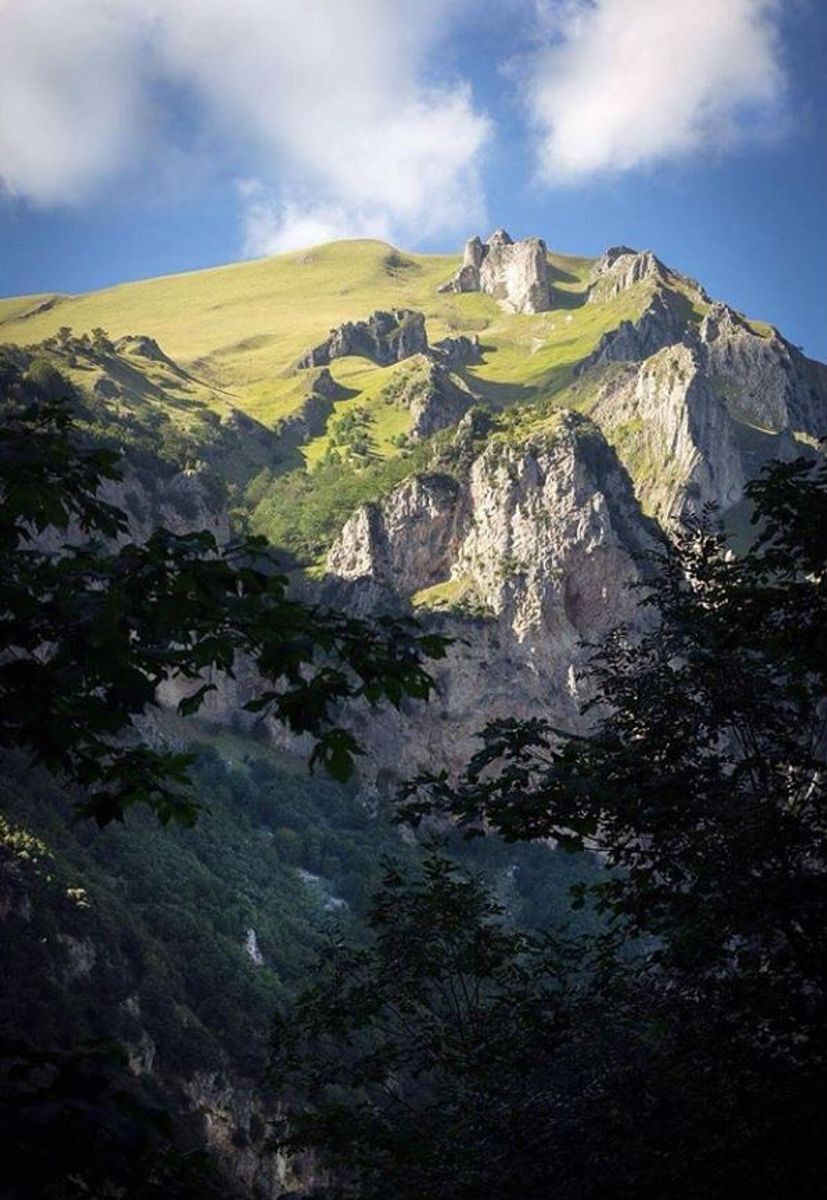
[144, 137]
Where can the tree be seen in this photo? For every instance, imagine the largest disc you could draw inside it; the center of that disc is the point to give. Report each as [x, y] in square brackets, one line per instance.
[682, 1049]
[420, 1065]
[91, 623]
[704, 779]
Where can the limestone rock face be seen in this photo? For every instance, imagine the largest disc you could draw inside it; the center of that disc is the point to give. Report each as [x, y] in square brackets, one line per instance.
[436, 399]
[239, 1132]
[552, 529]
[676, 432]
[515, 273]
[408, 541]
[663, 322]
[764, 379]
[385, 338]
[536, 545]
[183, 502]
[621, 268]
[697, 418]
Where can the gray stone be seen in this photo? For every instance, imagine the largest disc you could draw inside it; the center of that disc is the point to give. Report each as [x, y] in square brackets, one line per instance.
[621, 268]
[385, 338]
[458, 351]
[515, 273]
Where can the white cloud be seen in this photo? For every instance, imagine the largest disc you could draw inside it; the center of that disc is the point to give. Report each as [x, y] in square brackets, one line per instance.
[625, 83]
[72, 102]
[328, 102]
[274, 226]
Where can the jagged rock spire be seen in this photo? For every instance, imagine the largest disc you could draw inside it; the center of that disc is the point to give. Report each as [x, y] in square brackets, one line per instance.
[516, 273]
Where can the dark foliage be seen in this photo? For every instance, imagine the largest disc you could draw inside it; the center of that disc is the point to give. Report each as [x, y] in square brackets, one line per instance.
[91, 624]
[421, 1063]
[681, 1052]
[75, 1125]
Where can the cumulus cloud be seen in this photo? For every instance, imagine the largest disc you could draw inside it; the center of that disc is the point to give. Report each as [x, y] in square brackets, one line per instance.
[625, 83]
[274, 225]
[73, 107]
[330, 104]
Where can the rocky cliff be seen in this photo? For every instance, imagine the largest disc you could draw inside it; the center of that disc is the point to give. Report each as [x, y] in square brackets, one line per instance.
[514, 470]
[529, 552]
[694, 397]
[620, 268]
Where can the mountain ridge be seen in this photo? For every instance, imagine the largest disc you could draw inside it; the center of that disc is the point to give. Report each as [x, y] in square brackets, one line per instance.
[417, 448]
[502, 480]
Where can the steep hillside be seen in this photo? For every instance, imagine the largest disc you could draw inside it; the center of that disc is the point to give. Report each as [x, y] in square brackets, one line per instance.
[492, 442]
[241, 329]
[178, 946]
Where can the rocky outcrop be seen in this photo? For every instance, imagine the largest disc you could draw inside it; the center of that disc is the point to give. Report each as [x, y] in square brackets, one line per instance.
[664, 321]
[762, 378]
[459, 351]
[385, 338]
[311, 417]
[436, 398]
[325, 385]
[539, 541]
[251, 948]
[181, 502]
[143, 346]
[239, 1132]
[406, 542]
[674, 433]
[620, 268]
[695, 411]
[515, 273]
[554, 527]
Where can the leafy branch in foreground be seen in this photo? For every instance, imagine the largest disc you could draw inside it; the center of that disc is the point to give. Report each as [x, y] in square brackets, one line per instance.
[92, 624]
[421, 1064]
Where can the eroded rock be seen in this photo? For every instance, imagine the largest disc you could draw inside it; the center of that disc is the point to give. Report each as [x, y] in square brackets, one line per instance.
[675, 433]
[142, 345]
[664, 321]
[515, 273]
[385, 338]
[621, 268]
[458, 351]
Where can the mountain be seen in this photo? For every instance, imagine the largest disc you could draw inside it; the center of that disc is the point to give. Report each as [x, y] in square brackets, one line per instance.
[489, 440]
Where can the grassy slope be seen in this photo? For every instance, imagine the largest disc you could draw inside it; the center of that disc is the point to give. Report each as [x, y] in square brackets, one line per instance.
[237, 331]
[241, 328]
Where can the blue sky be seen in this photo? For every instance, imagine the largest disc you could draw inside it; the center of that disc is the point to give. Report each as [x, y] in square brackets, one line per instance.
[140, 137]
